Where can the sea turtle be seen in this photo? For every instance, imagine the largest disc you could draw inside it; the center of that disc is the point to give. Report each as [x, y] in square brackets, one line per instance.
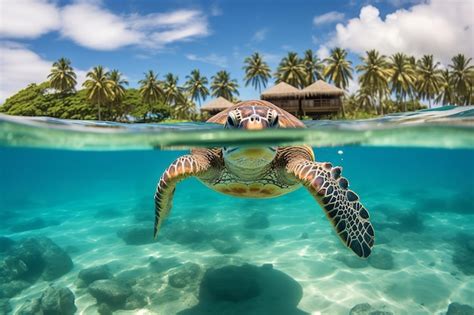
[266, 172]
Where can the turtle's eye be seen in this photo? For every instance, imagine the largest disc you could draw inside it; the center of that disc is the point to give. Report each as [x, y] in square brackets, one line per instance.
[272, 117]
[231, 120]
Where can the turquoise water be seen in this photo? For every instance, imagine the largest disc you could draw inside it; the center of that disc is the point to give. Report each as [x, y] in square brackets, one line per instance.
[90, 190]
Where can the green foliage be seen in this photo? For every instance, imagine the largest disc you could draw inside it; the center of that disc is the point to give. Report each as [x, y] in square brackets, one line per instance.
[37, 100]
[291, 70]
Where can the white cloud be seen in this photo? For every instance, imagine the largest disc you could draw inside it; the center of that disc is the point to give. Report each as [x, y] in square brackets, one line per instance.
[322, 52]
[441, 28]
[20, 66]
[213, 59]
[90, 24]
[329, 17]
[95, 27]
[260, 35]
[27, 18]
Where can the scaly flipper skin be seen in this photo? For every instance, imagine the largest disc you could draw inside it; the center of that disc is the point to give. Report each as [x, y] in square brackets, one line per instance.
[203, 163]
[341, 205]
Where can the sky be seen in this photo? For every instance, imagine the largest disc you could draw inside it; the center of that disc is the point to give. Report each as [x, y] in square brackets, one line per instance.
[178, 36]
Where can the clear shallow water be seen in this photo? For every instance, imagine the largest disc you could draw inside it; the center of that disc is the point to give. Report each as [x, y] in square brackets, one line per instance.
[420, 197]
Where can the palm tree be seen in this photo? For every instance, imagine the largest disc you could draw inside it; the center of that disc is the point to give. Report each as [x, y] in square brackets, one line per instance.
[196, 86]
[413, 92]
[184, 107]
[430, 78]
[402, 77]
[98, 87]
[222, 85]
[150, 89]
[365, 99]
[375, 75]
[118, 87]
[62, 76]
[313, 68]
[446, 95]
[462, 77]
[257, 71]
[338, 70]
[171, 89]
[291, 70]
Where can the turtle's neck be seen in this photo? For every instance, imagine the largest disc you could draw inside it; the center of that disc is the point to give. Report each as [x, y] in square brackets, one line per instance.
[246, 173]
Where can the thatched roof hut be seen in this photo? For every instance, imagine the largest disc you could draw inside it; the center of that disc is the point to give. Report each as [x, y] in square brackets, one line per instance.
[321, 88]
[320, 98]
[217, 105]
[280, 91]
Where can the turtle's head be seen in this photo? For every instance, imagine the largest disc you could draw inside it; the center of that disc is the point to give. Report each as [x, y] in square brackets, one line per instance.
[251, 117]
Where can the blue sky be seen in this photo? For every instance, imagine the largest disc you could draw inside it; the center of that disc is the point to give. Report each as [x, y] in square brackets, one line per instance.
[178, 36]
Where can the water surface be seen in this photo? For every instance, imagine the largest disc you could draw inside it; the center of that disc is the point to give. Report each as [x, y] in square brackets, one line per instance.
[89, 188]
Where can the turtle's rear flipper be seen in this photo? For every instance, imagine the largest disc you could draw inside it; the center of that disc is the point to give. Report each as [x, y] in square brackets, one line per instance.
[341, 205]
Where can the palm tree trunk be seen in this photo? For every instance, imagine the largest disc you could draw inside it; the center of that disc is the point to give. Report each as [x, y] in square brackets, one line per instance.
[429, 102]
[381, 103]
[98, 109]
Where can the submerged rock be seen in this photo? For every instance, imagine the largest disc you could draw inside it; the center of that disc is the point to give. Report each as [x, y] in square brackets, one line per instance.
[367, 309]
[28, 225]
[227, 246]
[104, 309]
[258, 220]
[137, 235]
[134, 301]
[5, 244]
[24, 262]
[361, 309]
[459, 309]
[162, 264]
[238, 289]
[5, 306]
[12, 288]
[58, 301]
[381, 259]
[111, 292]
[184, 275]
[232, 283]
[56, 261]
[463, 255]
[35, 257]
[352, 261]
[89, 275]
[30, 307]
[187, 233]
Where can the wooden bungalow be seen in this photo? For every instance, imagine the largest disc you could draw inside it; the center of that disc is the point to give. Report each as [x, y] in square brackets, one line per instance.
[216, 105]
[285, 96]
[318, 99]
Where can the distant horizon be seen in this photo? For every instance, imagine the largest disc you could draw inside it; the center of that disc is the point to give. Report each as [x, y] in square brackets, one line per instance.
[139, 36]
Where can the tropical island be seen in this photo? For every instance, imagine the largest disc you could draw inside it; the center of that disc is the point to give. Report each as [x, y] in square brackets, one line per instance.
[388, 84]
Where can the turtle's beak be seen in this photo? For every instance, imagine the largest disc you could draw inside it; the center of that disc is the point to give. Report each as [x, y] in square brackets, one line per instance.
[254, 122]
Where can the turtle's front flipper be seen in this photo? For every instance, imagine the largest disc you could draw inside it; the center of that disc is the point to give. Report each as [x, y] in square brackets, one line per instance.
[341, 205]
[201, 163]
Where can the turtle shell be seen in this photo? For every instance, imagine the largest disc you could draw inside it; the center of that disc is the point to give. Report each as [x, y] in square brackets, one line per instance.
[285, 119]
